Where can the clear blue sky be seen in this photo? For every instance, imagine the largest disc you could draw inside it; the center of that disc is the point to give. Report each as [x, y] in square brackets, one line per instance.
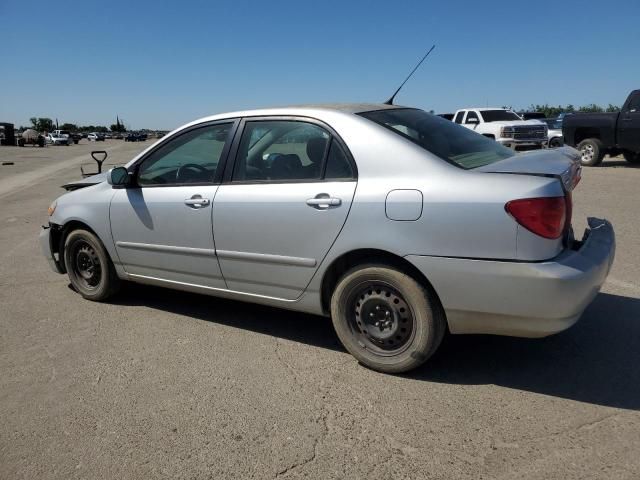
[159, 64]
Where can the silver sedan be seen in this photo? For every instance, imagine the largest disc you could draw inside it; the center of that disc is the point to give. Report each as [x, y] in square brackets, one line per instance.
[398, 224]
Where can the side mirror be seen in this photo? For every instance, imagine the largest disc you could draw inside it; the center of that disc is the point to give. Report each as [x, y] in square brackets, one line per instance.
[118, 177]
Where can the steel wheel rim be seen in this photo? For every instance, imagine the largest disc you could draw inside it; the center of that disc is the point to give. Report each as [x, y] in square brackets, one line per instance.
[86, 266]
[587, 153]
[380, 319]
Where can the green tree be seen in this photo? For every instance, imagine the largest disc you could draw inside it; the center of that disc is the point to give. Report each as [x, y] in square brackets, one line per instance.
[612, 108]
[69, 126]
[592, 107]
[42, 124]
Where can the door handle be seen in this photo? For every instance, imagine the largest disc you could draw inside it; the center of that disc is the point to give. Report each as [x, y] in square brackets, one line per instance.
[322, 201]
[196, 201]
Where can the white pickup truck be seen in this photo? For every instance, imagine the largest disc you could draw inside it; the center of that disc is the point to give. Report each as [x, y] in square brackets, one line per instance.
[504, 126]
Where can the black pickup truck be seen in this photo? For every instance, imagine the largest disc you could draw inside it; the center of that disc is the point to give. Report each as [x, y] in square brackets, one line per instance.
[599, 134]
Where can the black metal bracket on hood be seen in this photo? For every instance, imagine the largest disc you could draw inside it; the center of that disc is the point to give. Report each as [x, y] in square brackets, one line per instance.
[99, 156]
[98, 160]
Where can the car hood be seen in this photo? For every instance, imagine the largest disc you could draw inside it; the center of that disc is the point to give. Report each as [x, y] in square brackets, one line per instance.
[563, 163]
[86, 182]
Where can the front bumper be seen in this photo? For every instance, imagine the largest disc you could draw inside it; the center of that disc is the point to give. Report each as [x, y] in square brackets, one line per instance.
[47, 250]
[522, 299]
[515, 143]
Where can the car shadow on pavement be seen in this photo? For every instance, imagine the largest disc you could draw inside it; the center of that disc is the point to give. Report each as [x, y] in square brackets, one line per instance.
[298, 327]
[614, 162]
[596, 361]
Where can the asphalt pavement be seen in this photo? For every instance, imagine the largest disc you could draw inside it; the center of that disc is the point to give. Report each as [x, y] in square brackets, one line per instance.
[166, 384]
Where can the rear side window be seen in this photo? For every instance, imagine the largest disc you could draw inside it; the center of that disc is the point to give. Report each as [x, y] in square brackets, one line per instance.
[455, 144]
[472, 115]
[338, 165]
[288, 150]
[634, 103]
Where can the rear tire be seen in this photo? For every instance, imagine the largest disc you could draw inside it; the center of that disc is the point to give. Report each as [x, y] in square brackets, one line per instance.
[632, 157]
[386, 319]
[89, 267]
[591, 152]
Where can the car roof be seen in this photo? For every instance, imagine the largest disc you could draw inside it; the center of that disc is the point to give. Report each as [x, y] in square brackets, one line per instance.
[483, 109]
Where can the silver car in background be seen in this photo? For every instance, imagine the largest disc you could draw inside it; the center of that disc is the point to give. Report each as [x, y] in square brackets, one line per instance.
[398, 224]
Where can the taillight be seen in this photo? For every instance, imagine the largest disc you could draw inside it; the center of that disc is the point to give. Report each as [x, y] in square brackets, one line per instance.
[545, 216]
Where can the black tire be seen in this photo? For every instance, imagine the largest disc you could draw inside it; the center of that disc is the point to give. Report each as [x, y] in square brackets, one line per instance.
[555, 142]
[89, 267]
[371, 298]
[632, 157]
[591, 152]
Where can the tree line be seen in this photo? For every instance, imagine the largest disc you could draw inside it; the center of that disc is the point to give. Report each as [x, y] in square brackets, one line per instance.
[551, 111]
[44, 124]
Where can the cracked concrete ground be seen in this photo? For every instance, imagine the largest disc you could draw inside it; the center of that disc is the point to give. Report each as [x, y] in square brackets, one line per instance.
[163, 384]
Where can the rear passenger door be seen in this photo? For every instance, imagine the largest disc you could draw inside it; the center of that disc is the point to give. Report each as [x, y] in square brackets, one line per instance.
[282, 204]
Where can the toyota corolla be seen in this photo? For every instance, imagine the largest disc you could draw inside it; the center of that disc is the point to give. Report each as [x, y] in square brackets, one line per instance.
[397, 224]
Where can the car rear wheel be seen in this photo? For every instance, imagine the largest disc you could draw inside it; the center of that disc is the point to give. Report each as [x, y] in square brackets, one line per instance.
[632, 157]
[89, 267]
[591, 152]
[386, 319]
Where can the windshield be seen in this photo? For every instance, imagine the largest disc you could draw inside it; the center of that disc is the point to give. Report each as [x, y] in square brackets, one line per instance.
[498, 115]
[447, 140]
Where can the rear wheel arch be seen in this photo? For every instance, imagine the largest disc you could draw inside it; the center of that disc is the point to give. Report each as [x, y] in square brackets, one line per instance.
[585, 133]
[349, 260]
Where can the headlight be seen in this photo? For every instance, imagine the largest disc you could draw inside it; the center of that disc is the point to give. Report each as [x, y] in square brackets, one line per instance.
[52, 208]
[506, 132]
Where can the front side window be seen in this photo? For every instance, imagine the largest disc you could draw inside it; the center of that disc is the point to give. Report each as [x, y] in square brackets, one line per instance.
[634, 103]
[455, 144]
[190, 158]
[288, 150]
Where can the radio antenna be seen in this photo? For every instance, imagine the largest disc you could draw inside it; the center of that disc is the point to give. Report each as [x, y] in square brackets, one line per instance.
[390, 101]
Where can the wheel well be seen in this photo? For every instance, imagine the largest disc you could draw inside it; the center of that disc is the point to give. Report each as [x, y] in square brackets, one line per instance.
[347, 261]
[61, 233]
[584, 133]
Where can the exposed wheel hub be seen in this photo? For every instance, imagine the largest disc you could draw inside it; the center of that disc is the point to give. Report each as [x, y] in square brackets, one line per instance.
[382, 318]
[87, 265]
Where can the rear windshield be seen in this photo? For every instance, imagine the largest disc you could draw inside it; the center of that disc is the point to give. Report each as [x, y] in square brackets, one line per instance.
[451, 142]
[498, 115]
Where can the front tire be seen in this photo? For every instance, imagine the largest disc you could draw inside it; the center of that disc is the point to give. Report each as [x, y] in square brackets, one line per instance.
[591, 152]
[632, 157]
[386, 319]
[555, 142]
[89, 267]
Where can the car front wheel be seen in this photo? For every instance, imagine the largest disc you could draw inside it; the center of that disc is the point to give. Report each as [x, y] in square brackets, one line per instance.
[386, 319]
[89, 267]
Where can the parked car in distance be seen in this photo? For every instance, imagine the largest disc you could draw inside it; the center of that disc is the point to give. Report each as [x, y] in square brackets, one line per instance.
[504, 126]
[446, 116]
[599, 134]
[95, 137]
[554, 132]
[56, 139]
[457, 233]
[76, 137]
[131, 137]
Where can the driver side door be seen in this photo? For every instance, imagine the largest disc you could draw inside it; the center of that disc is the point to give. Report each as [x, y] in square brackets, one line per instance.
[162, 226]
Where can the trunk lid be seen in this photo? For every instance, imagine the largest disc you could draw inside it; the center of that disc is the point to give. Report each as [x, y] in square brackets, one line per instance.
[562, 163]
